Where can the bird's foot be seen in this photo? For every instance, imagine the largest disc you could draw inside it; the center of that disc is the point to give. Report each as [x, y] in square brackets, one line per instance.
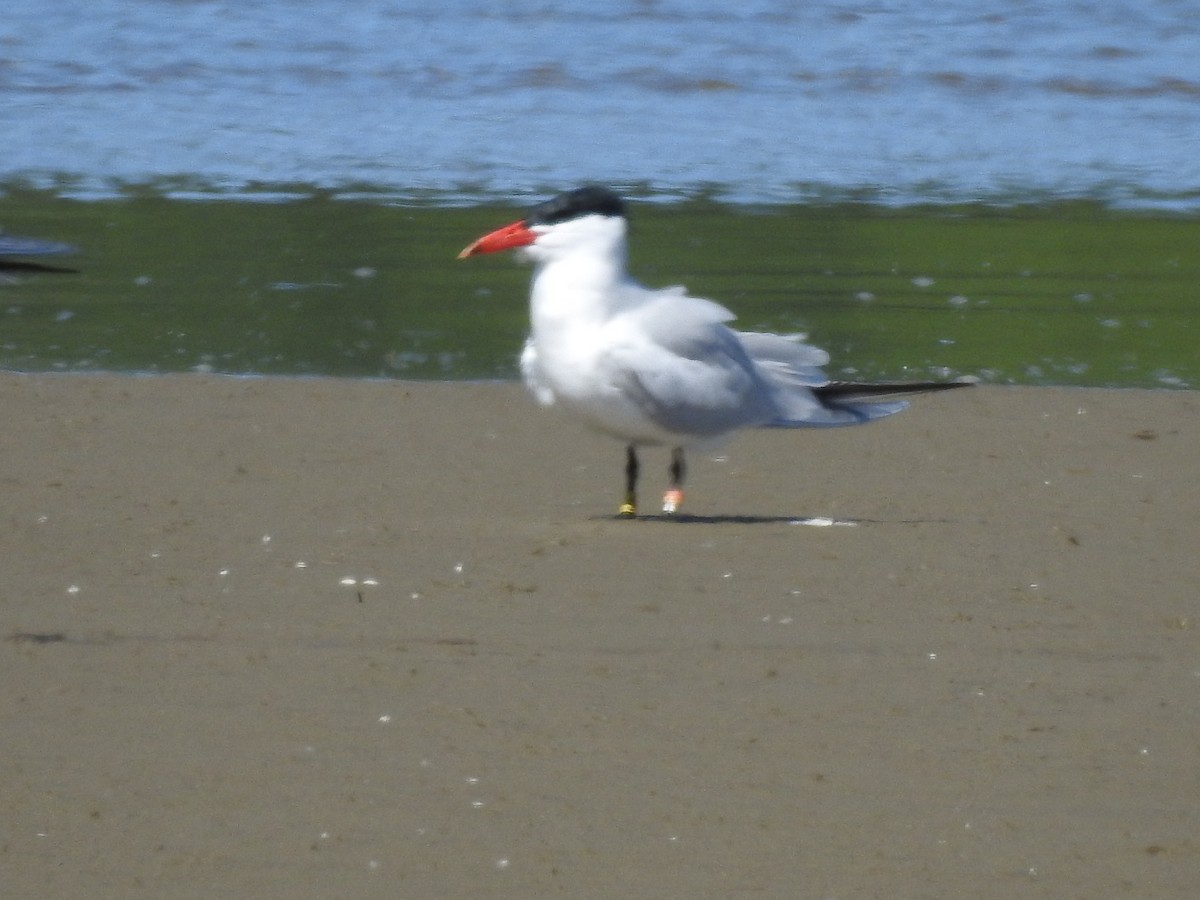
[628, 509]
[672, 500]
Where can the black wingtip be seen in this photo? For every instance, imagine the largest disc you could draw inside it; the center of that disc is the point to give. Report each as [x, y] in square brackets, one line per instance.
[848, 390]
[16, 265]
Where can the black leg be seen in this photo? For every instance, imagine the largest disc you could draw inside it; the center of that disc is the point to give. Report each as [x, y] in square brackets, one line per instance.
[673, 498]
[678, 468]
[629, 508]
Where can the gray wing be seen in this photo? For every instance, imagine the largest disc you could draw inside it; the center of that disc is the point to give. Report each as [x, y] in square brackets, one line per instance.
[13, 245]
[687, 370]
[786, 357]
[691, 374]
[792, 368]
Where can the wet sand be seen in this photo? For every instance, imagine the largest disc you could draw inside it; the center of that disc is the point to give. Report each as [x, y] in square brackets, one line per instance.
[315, 638]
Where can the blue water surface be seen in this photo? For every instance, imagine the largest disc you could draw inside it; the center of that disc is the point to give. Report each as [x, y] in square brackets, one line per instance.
[891, 101]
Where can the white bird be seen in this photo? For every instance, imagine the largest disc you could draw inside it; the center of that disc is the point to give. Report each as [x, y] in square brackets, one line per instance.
[658, 367]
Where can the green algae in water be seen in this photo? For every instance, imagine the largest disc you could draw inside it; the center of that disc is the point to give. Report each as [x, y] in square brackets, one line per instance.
[1068, 293]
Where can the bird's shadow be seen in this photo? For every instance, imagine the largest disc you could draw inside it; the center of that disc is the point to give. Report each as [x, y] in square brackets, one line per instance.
[811, 521]
[16, 265]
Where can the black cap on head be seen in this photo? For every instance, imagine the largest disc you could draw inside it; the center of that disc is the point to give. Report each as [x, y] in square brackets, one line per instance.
[590, 200]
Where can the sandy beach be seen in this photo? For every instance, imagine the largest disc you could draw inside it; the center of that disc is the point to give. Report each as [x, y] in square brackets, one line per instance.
[322, 638]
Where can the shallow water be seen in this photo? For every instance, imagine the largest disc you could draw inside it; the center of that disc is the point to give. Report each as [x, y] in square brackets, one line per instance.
[900, 102]
[1063, 294]
[1009, 192]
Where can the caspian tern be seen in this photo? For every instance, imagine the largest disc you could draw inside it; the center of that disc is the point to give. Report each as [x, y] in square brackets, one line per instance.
[658, 367]
[13, 245]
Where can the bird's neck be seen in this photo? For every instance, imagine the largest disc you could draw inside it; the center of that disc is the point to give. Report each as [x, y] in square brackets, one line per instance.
[578, 290]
